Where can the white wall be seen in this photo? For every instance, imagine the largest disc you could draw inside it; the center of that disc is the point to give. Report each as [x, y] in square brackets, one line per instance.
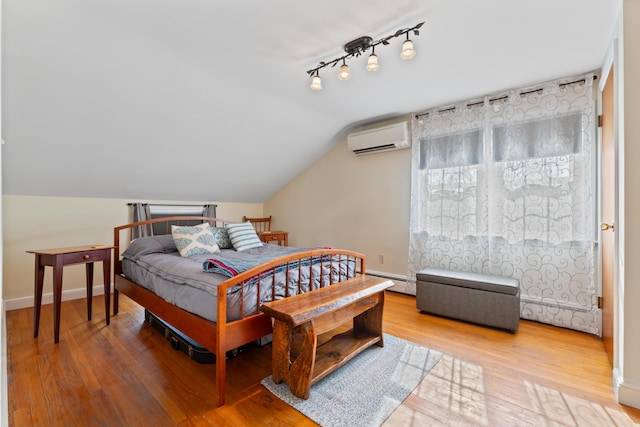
[32, 222]
[360, 203]
[629, 267]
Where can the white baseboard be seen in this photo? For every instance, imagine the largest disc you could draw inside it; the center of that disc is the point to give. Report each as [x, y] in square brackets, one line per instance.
[616, 380]
[628, 394]
[71, 294]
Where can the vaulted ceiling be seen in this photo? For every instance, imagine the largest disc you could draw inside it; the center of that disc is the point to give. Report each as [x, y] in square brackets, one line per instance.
[210, 100]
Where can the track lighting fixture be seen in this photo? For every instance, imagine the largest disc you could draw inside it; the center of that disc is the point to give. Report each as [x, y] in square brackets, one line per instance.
[359, 46]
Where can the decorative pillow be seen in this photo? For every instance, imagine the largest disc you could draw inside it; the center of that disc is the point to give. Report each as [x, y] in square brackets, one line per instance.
[195, 240]
[243, 236]
[222, 237]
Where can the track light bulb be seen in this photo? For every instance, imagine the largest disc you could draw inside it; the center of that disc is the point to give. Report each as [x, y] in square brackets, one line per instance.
[372, 63]
[408, 51]
[345, 74]
[316, 83]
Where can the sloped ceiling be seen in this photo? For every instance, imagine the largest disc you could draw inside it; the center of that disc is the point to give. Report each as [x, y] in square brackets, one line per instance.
[210, 100]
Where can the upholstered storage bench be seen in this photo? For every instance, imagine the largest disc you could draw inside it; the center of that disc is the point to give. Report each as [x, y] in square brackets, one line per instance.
[479, 298]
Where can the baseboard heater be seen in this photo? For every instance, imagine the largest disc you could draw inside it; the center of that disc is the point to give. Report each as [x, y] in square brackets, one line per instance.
[399, 281]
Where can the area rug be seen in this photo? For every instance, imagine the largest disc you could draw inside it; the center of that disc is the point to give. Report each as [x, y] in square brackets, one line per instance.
[366, 390]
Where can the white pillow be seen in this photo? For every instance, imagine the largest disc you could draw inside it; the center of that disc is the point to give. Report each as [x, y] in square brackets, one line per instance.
[243, 236]
[194, 240]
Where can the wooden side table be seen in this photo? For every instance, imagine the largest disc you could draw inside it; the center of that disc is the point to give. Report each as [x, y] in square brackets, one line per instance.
[58, 258]
[282, 237]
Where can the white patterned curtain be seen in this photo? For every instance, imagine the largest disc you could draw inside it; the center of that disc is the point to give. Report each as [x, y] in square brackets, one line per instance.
[505, 185]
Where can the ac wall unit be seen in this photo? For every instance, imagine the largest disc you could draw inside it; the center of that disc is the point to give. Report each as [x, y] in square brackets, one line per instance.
[384, 138]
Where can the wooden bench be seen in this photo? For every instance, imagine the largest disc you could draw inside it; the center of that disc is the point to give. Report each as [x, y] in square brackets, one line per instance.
[297, 358]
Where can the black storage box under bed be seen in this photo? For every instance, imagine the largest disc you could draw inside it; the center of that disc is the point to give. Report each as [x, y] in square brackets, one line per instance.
[180, 341]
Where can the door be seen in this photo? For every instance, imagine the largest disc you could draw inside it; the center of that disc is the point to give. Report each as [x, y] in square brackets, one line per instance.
[608, 214]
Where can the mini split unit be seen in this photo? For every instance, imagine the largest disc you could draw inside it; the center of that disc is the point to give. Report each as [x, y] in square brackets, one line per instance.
[376, 140]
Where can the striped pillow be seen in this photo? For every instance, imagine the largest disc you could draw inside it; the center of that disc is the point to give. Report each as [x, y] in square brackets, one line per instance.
[243, 236]
[196, 240]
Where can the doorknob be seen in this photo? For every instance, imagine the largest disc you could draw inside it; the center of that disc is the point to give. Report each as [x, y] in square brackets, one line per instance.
[604, 226]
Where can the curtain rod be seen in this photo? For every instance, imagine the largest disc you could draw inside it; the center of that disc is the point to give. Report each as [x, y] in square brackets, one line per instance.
[576, 81]
[530, 91]
[473, 104]
[500, 98]
[561, 85]
[172, 204]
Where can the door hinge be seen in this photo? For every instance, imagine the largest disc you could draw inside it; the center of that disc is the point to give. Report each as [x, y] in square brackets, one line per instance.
[600, 121]
[599, 302]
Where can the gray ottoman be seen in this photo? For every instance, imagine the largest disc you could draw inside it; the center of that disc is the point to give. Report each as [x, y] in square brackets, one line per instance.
[479, 298]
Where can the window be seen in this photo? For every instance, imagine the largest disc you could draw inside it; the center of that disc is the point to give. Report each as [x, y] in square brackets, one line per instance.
[536, 184]
[529, 188]
[164, 211]
[450, 167]
[146, 211]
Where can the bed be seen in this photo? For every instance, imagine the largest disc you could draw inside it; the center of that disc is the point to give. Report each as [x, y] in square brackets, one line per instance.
[207, 296]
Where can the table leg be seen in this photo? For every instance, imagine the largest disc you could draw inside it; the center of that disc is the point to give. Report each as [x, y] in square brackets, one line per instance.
[106, 268]
[57, 296]
[89, 268]
[39, 280]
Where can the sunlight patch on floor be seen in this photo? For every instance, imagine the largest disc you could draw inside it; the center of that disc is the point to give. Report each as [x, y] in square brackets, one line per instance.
[454, 394]
[455, 390]
[557, 408]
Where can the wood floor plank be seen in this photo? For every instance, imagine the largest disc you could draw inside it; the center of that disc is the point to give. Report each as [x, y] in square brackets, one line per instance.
[128, 374]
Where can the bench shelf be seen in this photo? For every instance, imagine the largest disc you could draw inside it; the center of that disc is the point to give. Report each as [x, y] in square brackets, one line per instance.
[339, 350]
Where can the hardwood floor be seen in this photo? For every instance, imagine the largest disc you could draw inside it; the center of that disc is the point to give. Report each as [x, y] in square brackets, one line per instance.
[128, 374]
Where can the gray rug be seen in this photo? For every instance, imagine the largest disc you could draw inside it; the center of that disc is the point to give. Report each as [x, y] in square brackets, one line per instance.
[366, 390]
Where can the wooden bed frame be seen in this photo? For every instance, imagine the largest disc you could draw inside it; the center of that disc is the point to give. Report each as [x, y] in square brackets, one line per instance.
[221, 336]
